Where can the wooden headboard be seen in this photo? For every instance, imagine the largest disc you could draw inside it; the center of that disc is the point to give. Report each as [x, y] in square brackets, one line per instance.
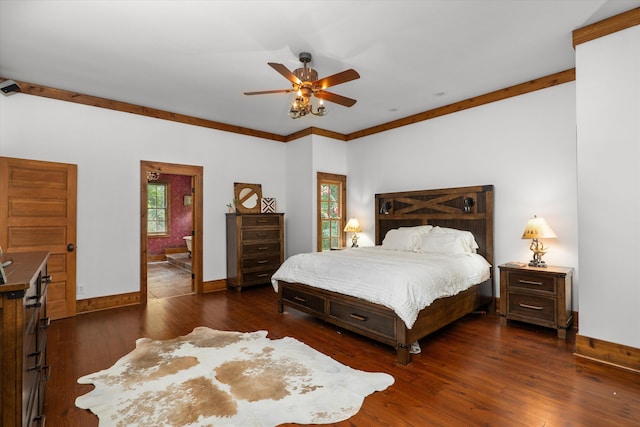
[463, 208]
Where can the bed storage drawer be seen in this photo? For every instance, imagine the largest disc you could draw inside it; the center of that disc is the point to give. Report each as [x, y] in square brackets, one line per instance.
[363, 318]
[298, 297]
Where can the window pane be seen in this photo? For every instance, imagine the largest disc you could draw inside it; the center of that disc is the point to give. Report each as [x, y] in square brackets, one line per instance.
[334, 210]
[335, 228]
[335, 194]
[335, 242]
[324, 192]
[324, 210]
[325, 229]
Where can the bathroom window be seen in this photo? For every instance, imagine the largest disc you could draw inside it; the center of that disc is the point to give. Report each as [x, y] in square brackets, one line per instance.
[157, 209]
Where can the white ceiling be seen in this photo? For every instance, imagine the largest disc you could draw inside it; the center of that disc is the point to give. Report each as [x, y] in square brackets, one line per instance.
[198, 57]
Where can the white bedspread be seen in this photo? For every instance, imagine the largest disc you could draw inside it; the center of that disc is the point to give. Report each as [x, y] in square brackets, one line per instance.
[405, 282]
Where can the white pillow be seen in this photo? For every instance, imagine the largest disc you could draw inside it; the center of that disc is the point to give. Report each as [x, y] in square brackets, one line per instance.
[400, 239]
[441, 243]
[466, 236]
[419, 229]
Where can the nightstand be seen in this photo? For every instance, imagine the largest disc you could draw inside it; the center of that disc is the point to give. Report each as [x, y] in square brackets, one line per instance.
[541, 296]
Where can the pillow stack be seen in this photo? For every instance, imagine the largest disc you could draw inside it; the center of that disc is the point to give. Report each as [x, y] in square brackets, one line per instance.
[429, 239]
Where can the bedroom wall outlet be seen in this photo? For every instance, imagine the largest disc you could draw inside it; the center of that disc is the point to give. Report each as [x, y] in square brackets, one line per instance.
[80, 289]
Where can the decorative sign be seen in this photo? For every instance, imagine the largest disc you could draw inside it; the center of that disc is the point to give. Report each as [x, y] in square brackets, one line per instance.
[268, 205]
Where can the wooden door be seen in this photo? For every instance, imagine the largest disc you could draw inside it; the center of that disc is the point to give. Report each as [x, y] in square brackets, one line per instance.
[38, 212]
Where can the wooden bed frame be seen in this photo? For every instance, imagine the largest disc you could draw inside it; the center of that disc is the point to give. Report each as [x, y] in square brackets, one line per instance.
[464, 208]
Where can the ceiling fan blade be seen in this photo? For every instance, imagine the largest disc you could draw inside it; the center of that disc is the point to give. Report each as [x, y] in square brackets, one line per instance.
[336, 79]
[285, 72]
[337, 99]
[265, 92]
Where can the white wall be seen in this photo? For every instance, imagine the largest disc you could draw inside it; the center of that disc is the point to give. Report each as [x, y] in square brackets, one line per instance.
[608, 93]
[107, 146]
[299, 218]
[525, 146]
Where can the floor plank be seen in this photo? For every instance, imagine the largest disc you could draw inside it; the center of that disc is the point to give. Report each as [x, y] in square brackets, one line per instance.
[474, 372]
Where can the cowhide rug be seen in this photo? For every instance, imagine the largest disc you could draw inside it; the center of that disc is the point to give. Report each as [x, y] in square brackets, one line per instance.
[217, 378]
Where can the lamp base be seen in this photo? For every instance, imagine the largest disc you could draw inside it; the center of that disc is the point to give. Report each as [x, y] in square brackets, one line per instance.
[354, 240]
[537, 263]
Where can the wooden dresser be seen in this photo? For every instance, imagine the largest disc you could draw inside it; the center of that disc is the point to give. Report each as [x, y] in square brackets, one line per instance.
[255, 248]
[538, 295]
[24, 322]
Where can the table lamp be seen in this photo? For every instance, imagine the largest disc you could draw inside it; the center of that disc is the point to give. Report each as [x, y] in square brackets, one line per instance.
[353, 226]
[537, 228]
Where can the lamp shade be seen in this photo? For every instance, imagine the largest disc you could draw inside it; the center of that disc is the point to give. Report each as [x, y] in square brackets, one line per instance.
[537, 228]
[353, 226]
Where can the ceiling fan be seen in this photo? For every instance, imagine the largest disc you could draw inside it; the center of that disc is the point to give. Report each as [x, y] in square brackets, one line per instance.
[306, 83]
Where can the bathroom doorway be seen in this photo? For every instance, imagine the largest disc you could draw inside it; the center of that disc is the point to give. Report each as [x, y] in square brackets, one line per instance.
[176, 260]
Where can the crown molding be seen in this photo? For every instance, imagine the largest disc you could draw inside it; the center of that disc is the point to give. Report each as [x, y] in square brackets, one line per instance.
[95, 101]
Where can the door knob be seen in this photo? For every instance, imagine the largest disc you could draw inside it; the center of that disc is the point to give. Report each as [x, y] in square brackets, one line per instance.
[70, 247]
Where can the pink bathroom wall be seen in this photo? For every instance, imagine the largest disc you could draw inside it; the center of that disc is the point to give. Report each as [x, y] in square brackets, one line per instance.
[180, 215]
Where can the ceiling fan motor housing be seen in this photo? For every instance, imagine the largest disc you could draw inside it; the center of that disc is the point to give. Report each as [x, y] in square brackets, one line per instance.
[306, 74]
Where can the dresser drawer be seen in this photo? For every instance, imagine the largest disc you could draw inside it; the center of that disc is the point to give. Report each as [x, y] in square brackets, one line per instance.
[536, 282]
[362, 318]
[260, 220]
[260, 276]
[260, 234]
[261, 248]
[270, 261]
[532, 308]
[304, 299]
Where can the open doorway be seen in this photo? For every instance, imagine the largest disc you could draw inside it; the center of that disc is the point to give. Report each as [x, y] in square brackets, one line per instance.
[187, 255]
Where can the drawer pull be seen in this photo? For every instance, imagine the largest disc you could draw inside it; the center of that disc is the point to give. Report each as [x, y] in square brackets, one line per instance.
[358, 317]
[262, 221]
[530, 282]
[299, 299]
[263, 275]
[261, 234]
[263, 261]
[532, 307]
[34, 305]
[263, 248]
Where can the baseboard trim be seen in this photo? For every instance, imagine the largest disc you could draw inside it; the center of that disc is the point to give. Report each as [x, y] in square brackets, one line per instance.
[618, 355]
[214, 285]
[106, 302]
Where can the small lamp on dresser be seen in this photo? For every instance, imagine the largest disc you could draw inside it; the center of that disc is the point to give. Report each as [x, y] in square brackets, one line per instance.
[353, 226]
[537, 228]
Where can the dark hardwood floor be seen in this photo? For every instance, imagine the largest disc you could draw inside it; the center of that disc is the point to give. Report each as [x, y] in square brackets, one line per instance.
[474, 372]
